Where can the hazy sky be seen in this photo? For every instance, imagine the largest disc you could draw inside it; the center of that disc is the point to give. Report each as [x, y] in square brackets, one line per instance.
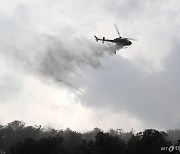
[53, 72]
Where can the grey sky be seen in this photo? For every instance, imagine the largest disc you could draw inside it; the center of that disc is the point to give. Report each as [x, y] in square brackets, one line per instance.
[48, 56]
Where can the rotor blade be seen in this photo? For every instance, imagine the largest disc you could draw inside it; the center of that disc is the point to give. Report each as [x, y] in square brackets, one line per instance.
[132, 39]
[117, 29]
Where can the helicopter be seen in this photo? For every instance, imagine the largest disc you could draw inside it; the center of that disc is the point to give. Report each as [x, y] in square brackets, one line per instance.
[121, 42]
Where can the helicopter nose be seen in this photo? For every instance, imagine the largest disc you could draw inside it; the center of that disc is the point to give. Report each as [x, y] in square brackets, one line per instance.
[130, 42]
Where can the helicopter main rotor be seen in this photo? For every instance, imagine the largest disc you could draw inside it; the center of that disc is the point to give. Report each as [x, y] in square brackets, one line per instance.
[117, 30]
[121, 36]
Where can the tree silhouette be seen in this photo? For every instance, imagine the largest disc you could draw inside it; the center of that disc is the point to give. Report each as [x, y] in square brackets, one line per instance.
[150, 141]
[108, 144]
[16, 138]
[87, 147]
[46, 145]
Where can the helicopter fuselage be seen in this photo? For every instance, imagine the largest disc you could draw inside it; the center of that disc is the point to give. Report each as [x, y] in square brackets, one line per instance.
[122, 41]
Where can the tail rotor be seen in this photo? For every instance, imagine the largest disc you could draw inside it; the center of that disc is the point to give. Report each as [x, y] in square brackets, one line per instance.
[96, 37]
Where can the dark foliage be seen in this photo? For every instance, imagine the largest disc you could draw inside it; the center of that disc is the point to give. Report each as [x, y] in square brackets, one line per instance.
[46, 145]
[147, 142]
[16, 138]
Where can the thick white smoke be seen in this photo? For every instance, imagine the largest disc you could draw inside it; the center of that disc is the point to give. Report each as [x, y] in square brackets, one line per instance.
[46, 54]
